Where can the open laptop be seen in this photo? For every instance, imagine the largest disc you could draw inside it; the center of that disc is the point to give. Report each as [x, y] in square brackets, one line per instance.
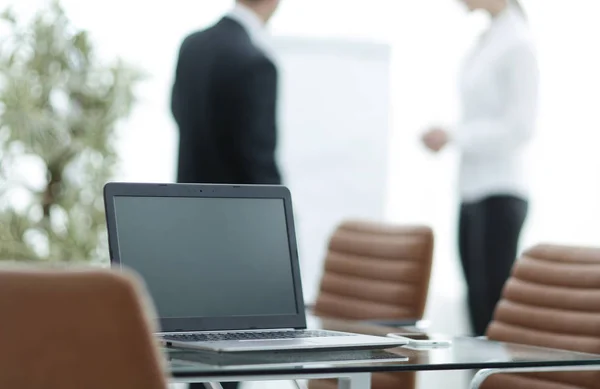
[221, 264]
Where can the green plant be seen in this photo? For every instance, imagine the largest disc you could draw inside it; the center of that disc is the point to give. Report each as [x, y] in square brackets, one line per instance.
[59, 107]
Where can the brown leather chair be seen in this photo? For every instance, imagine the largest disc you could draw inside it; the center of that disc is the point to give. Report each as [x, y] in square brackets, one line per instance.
[73, 329]
[376, 271]
[551, 300]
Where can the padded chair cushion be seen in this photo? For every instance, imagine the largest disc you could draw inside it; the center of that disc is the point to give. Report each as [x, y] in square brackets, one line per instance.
[73, 329]
[551, 300]
[376, 271]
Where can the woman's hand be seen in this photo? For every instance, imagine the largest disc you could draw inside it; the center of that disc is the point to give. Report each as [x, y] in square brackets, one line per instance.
[435, 139]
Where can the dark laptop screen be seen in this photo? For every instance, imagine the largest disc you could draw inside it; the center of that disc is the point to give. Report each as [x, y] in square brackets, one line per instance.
[209, 257]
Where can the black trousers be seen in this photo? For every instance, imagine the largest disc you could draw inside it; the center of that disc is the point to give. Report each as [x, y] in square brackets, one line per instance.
[226, 385]
[489, 233]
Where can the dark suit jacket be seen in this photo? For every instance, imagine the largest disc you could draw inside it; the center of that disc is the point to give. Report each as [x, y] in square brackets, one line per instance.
[224, 101]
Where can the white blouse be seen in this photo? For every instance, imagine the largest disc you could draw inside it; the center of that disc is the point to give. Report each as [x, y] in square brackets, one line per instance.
[499, 93]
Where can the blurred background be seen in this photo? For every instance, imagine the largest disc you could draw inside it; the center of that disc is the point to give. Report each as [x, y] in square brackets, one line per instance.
[387, 70]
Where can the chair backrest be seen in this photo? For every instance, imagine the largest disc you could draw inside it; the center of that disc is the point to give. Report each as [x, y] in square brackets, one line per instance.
[73, 329]
[551, 300]
[376, 271]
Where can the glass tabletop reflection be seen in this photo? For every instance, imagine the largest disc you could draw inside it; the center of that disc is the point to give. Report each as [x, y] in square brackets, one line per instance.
[464, 353]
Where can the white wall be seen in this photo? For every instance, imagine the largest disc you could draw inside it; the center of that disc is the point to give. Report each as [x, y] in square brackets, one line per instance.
[335, 107]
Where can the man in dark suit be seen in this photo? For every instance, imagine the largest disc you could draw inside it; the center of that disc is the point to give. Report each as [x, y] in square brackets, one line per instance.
[224, 100]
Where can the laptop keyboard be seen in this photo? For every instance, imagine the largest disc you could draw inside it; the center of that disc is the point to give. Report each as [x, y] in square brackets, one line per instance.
[266, 335]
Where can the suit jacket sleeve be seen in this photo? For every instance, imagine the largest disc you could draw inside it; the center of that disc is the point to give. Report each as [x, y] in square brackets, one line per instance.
[255, 116]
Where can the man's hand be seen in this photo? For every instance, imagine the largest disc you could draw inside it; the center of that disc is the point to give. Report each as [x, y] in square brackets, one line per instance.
[435, 139]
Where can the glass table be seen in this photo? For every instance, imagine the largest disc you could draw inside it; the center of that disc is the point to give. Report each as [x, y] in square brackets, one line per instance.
[354, 368]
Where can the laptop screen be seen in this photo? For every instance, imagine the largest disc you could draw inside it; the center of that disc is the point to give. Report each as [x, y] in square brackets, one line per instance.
[209, 257]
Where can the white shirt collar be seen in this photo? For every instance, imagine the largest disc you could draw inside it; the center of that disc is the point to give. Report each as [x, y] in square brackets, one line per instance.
[509, 25]
[254, 26]
[508, 19]
[248, 19]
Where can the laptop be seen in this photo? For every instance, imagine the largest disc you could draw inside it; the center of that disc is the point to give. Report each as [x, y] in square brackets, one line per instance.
[268, 359]
[221, 264]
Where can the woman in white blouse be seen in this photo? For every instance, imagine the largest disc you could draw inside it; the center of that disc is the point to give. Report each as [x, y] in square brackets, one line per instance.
[499, 93]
